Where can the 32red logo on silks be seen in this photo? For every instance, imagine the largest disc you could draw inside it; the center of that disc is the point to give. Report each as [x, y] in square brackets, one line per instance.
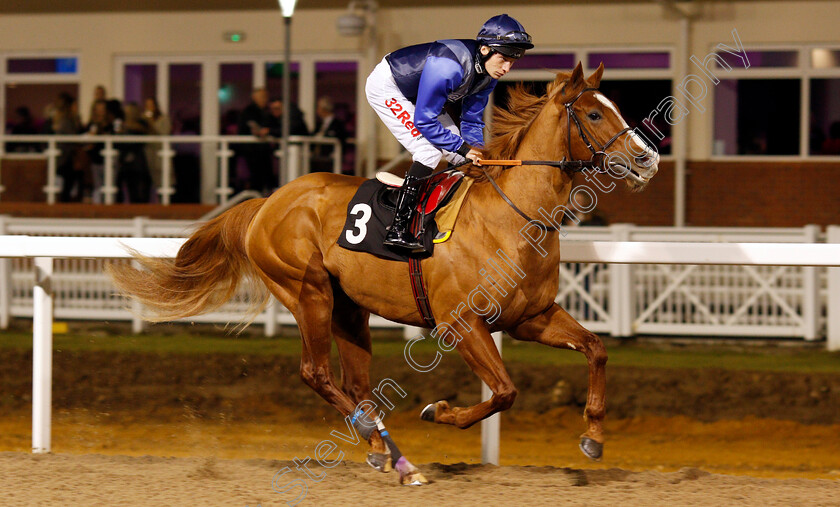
[402, 115]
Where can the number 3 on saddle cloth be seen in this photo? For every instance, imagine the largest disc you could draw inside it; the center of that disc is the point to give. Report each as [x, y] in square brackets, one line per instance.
[371, 211]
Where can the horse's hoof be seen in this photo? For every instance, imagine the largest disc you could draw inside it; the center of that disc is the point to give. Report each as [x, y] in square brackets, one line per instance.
[409, 474]
[380, 462]
[592, 449]
[428, 413]
[415, 479]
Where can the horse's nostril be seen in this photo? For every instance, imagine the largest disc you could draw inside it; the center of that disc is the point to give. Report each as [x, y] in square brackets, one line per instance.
[644, 161]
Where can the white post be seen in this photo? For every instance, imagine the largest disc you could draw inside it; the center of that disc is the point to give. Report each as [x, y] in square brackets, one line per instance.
[490, 427]
[271, 318]
[810, 291]
[833, 303]
[166, 189]
[5, 284]
[109, 188]
[338, 158]
[136, 306]
[621, 289]
[52, 188]
[293, 164]
[42, 320]
[224, 155]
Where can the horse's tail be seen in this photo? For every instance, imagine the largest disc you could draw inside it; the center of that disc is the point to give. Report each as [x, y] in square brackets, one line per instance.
[205, 274]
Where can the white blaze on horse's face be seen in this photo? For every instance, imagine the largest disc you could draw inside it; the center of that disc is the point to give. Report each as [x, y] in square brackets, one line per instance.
[643, 167]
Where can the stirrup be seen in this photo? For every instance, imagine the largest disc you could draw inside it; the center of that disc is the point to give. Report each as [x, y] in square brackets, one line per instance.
[404, 240]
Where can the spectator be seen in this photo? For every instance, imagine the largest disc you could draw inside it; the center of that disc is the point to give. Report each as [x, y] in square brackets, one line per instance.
[297, 125]
[99, 93]
[133, 178]
[159, 125]
[23, 124]
[253, 122]
[65, 121]
[327, 125]
[101, 123]
[831, 146]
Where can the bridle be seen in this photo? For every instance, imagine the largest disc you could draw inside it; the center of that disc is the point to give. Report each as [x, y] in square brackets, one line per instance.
[585, 135]
[567, 165]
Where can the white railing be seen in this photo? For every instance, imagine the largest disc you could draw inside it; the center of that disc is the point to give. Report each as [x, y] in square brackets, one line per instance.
[299, 155]
[621, 300]
[43, 251]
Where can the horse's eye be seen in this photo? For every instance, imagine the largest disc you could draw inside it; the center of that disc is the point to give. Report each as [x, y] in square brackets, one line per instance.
[594, 116]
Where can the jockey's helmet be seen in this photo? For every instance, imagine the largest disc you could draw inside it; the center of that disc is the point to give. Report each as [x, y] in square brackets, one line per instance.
[505, 35]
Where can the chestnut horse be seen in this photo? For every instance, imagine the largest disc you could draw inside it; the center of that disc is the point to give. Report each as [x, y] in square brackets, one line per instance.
[287, 242]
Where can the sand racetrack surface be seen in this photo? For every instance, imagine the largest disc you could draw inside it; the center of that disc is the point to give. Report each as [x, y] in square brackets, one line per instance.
[215, 429]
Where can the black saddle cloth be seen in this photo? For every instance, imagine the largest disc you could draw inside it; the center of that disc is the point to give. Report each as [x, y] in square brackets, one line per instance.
[371, 211]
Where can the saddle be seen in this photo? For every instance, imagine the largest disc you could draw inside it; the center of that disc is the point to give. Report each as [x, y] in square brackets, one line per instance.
[372, 208]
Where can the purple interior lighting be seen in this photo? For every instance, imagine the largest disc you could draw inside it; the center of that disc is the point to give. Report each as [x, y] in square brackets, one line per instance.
[640, 60]
[761, 59]
[560, 61]
[334, 66]
[41, 65]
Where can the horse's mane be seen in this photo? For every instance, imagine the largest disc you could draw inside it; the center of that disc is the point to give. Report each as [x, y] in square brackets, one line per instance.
[511, 123]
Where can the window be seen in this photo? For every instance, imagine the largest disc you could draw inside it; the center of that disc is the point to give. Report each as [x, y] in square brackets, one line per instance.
[140, 82]
[63, 65]
[635, 99]
[236, 82]
[757, 117]
[824, 131]
[274, 80]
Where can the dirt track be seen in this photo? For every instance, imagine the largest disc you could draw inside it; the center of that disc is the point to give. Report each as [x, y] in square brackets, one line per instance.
[227, 418]
[152, 481]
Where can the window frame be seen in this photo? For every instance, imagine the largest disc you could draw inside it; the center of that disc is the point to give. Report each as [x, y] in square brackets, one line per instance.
[581, 54]
[802, 71]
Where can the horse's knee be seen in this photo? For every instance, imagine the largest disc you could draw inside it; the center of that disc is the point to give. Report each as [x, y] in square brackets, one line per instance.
[504, 399]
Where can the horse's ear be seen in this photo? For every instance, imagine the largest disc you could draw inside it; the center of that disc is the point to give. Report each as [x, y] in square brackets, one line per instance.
[595, 79]
[576, 80]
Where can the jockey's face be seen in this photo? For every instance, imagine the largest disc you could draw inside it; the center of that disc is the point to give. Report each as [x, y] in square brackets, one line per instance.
[497, 65]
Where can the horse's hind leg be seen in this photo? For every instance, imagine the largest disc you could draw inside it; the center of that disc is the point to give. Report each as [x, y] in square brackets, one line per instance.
[352, 337]
[555, 327]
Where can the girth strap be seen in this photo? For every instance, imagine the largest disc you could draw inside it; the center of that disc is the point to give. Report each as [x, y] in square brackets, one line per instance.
[415, 274]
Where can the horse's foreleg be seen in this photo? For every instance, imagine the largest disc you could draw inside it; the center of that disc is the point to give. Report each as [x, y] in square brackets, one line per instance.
[480, 353]
[556, 328]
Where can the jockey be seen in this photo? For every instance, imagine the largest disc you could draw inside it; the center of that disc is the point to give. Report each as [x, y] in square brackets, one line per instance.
[409, 88]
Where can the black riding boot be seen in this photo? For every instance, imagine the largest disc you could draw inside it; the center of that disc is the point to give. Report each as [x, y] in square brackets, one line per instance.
[398, 234]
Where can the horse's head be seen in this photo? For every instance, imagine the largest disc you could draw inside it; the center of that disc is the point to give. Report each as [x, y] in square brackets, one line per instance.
[594, 129]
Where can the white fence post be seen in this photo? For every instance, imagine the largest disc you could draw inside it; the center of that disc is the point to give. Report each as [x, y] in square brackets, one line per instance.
[811, 291]
[833, 303]
[621, 289]
[166, 189]
[491, 426]
[52, 189]
[271, 317]
[42, 320]
[224, 155]
[109, 188]
[137, 323]
[5, 284]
